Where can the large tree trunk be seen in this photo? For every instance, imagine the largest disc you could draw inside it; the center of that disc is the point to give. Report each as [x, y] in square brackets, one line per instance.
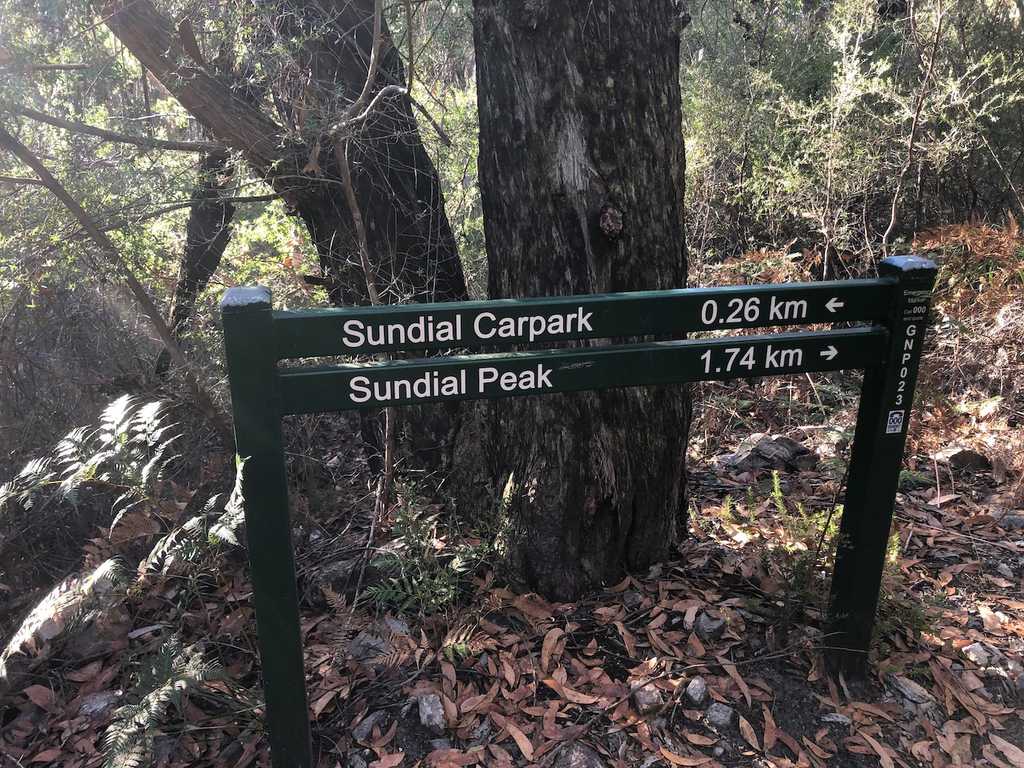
[397, 187]
[581, 172]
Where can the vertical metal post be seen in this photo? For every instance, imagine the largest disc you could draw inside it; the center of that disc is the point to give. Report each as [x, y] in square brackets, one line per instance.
[252, 372]
[877, 456]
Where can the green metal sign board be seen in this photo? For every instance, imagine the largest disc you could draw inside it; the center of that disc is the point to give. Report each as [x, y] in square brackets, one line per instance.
[893, 309]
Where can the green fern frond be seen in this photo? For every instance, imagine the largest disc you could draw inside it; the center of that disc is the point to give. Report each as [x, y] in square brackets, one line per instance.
[172, 673]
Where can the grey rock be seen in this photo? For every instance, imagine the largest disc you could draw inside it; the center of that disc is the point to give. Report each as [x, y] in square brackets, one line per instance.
[1005, 571]
[440, 744]
[632, 599]
[96, 705]
[1012, 522]
[911, 690]
[362, 731]
[835, 717]
[697, 691]
[355, 759]
[647, 699]
[397, 626]
[963, 459]
[482, 733]
[718, 751]
[579, 756]
[720, 715]
[762, 452]
[982, 654]
[366, 646]
[432, 712]
[709, 628]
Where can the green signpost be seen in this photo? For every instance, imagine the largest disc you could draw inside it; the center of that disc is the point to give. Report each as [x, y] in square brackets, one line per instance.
[892, 309]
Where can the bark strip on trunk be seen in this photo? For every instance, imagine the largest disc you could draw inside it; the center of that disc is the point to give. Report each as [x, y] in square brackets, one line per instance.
[206, 237]
[581, 172]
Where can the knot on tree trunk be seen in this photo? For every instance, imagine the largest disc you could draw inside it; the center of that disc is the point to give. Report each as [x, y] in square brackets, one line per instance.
[611, 222]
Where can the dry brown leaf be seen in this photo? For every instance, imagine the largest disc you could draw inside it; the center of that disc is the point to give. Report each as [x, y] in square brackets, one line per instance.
[699, 739]
[627, 639]
[321, 703]
[548, 648]
[388, 761]
[453, 758]
[749, 734]
[39, 695]
[47, 755]
[675, 759]
[521, 739]
[769, 728]
[730, 670]
[881, 751]
[86, 673]
[1014, 754]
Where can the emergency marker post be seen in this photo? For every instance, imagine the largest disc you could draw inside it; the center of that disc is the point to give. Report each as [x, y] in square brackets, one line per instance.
[888, 349]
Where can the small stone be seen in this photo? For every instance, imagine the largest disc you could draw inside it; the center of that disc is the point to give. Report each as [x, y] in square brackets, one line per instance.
[632, 599]
[760, 451]
[835, 717]
[366, 646]
[1012, 522]
[697, 691]
[1005, 571]
[355, 759]
[363, 731]
[432, 713]
[720, 715]
[579, 756]
[718, 751]
[647, 699]
[440, 744]
[963, 459]
[96, 705]
[709, 628]
[482, 733]
[980, 653]
[911, 690]
[396, 626]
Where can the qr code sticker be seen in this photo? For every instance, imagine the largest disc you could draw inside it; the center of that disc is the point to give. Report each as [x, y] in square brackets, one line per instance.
[895, 424]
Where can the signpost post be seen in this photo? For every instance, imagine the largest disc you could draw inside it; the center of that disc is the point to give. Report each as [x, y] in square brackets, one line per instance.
[894, 306]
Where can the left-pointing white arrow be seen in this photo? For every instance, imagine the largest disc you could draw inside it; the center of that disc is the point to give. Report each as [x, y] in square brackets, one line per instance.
[829, 353]
[834, 304]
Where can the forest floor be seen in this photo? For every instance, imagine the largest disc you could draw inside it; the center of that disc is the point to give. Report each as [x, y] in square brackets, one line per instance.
[714, 657]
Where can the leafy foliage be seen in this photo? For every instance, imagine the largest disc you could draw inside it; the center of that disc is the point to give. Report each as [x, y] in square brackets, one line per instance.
[164, 681]
[106, 474]
[423, 570]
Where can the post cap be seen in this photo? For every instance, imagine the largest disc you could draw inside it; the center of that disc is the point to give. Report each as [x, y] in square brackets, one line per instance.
[909, 264]
[245, 297]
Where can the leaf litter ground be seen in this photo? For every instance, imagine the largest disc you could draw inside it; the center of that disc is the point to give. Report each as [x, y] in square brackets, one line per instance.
[711, 658]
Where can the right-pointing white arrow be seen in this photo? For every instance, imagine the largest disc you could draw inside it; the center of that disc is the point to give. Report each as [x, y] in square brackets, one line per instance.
[834, 303]
[829, 353]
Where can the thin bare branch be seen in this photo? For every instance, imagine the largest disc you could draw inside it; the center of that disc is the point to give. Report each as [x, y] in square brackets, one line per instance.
[122, 138]
[912, 139]
[21, 180]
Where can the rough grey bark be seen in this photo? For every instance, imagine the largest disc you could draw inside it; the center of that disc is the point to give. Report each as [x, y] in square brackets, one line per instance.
[581, 173]
[396, 184]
